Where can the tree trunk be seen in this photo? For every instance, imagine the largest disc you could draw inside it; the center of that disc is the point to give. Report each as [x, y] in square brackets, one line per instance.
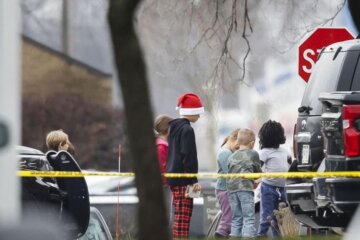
[131, 69]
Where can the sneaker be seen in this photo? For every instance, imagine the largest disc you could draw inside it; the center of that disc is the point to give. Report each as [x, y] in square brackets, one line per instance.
[218, 235]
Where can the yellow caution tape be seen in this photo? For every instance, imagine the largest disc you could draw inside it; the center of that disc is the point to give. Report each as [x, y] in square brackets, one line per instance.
[65, 174]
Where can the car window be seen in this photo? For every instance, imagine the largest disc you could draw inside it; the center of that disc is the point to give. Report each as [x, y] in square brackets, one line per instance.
[356, 83]
[95, 230]
[324, 78]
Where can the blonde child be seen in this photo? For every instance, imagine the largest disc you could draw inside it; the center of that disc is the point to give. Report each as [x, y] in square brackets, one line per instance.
[229, 145]
[161, 126]
[244, 160]
[58, 140]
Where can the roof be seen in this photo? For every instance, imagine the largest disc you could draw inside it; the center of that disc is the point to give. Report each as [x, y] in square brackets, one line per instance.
[67, 58]
[89, 39]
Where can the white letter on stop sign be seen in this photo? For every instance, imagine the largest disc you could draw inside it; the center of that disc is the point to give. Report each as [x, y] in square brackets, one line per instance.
[307, 58]
[310, 60]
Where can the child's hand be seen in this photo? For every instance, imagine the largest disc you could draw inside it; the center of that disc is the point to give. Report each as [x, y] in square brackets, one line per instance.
[256, 183]
[193, 191]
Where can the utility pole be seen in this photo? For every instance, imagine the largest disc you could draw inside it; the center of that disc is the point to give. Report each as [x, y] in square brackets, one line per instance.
[65, 28]
[10, 106]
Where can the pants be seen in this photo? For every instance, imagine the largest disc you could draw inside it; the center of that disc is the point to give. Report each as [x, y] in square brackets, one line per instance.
[168, 203]
[183, 208]
[226, 216]
[271, 196]
[243, 218]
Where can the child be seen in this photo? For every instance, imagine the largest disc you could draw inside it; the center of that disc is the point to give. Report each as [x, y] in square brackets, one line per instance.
[58, 140]
[274, 158]
[244, 160]
[182, 158]
[161, 126]
[229, 146]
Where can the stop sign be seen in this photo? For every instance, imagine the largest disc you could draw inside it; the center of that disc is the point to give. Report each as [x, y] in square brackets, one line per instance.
[310, 48]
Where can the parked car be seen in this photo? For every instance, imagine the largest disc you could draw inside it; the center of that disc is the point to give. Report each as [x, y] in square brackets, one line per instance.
[117, 199]
[62, 201]
[313, 200]
[97, 228]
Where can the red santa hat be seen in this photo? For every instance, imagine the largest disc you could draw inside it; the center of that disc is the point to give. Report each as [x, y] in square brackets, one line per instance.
[190, 104]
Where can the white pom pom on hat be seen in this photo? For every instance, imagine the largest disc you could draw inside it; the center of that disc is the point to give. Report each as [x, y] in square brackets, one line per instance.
[190, 104]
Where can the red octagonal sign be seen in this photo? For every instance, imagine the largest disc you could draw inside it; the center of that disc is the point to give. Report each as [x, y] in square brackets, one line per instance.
[310, 48]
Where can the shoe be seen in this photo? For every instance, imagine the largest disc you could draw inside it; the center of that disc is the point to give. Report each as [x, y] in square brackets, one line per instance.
[218, 235]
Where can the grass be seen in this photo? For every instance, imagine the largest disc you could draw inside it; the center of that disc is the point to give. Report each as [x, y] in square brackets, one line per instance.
[285, 238]
[315, 237]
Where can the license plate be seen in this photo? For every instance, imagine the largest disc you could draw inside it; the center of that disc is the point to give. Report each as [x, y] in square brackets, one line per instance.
[305, 154]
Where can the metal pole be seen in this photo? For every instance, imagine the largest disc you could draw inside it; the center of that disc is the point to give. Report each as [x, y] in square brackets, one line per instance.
[10, 106]
[65, 28]
[119, 160]
[118, 227]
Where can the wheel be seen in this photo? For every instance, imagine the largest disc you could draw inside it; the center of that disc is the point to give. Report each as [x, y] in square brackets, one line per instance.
[213, 226]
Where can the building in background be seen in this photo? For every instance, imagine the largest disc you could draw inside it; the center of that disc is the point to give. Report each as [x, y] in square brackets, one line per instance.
[46, 72]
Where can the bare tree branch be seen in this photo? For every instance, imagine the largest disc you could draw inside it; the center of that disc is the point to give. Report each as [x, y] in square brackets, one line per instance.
[246, 21]
[310, 28]
[30, 12]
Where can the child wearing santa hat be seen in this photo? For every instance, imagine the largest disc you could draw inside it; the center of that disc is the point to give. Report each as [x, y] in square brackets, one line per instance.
[182, 158]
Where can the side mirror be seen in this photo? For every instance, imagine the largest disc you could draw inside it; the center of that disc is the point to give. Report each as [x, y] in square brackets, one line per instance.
[4, 135]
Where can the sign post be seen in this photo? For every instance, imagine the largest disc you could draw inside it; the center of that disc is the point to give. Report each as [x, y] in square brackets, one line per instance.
[309, 49]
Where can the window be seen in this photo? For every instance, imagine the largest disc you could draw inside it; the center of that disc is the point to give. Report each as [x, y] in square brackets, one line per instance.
[324, 78]
[95, 230]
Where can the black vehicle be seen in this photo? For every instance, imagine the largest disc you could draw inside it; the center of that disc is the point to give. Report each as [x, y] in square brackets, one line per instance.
[62, 201]
[337, 69]
[341, 128]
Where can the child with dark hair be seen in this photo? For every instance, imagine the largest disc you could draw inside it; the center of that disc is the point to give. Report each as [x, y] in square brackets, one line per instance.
[275, 159]
[229, 145]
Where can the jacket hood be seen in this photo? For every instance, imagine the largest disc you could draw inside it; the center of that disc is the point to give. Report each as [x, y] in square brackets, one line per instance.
[176, 124]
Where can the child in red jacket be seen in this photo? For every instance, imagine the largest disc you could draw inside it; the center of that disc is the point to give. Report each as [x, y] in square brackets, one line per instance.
[161, 127]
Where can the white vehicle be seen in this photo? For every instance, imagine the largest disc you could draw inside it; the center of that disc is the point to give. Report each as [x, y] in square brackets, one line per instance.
[117, 200]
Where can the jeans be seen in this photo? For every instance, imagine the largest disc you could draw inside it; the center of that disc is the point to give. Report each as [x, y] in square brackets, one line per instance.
[271, 196]
[168, 203]
[243, 208]
[225, 220]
